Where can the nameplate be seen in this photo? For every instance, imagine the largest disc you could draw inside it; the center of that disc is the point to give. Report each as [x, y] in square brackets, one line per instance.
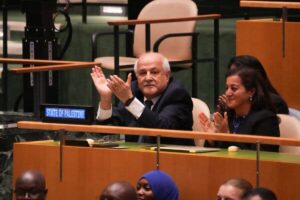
[67, 113]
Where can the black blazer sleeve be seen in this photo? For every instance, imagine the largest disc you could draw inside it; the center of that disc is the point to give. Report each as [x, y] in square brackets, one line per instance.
[263, 123]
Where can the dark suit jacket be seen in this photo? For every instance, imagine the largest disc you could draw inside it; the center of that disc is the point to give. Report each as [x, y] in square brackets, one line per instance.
[262, 122]
[173, 110]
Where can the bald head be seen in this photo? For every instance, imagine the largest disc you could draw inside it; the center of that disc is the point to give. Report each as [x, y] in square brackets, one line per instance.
[119, 190]
[30, 185]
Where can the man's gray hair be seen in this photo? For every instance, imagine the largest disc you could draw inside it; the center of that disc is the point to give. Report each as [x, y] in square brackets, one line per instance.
[165, 64]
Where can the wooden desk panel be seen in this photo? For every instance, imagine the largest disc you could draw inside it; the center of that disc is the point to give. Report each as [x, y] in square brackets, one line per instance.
[263, 39]
[87, 170]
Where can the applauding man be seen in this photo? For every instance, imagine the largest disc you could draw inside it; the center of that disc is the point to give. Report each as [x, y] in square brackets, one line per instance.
[167, 104]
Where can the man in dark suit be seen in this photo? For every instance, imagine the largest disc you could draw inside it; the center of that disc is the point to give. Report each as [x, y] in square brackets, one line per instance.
[170, 104]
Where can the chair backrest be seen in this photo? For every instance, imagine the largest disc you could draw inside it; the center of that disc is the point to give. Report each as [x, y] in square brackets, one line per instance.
[199, 106]
[174, 49]
[289, 128]
[295, 112]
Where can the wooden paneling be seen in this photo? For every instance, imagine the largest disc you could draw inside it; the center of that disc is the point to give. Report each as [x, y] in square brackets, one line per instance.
[264, 40]
[87, 170]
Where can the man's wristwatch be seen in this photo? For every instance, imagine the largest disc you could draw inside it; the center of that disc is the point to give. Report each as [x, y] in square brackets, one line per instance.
[128, 101]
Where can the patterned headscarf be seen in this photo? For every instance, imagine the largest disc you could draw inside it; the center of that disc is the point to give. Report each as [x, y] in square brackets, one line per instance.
[162, 185]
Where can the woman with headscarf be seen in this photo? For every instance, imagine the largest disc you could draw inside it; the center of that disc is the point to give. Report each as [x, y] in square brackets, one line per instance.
[156, 185]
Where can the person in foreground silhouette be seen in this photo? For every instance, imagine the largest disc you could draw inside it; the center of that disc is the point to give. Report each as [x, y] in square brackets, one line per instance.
[233, 189]
[30, 185]
[119, 190]
[156, 185]
[260, 193]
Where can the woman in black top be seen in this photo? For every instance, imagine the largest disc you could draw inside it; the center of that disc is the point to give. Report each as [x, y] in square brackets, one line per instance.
[253, 63]
[249, 110]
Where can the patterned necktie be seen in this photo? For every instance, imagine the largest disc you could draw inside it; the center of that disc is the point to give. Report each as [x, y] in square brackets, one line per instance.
[148, 104]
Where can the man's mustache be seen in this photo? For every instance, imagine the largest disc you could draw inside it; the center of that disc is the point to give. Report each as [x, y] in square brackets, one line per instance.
[149, 83]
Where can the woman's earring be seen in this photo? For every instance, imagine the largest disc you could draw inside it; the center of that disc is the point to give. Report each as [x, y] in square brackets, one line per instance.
[250, 99]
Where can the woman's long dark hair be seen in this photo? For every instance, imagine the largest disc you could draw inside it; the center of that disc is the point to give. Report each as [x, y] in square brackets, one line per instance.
[253, 63]
[251, 79]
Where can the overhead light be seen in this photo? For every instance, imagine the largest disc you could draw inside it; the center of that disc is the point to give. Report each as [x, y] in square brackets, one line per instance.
[113, 10]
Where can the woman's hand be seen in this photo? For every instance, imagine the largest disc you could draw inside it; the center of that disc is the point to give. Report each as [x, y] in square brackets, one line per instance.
[222, 105]
[221, 123]
[206, 123]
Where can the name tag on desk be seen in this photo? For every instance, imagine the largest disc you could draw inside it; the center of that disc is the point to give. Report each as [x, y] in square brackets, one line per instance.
[67, 113]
